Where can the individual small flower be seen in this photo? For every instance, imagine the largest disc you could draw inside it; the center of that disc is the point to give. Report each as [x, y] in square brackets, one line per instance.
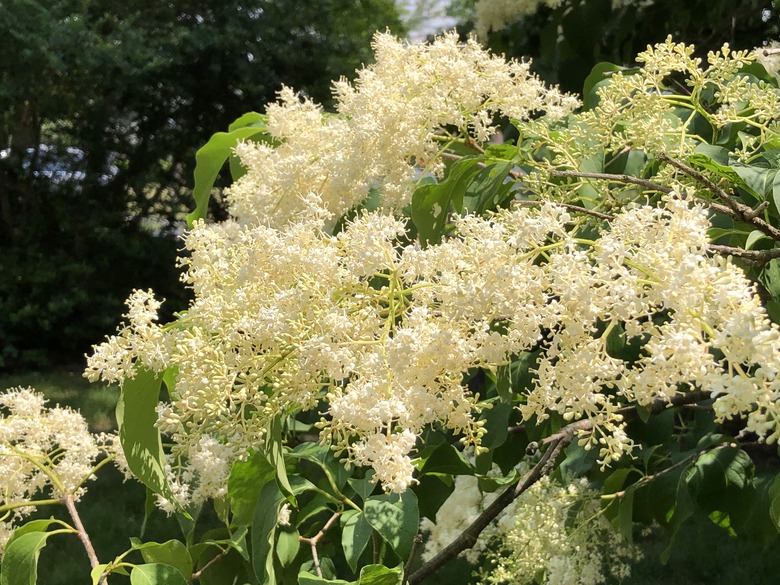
[283, 518]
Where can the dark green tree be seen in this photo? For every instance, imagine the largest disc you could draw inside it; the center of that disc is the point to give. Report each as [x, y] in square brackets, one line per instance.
[102, 106]
[566, 42]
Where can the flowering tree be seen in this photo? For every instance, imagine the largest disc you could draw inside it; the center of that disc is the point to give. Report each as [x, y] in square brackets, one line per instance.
[413, 340]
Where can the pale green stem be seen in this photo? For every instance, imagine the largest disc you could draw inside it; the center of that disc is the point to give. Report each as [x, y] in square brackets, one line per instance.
[70, 504]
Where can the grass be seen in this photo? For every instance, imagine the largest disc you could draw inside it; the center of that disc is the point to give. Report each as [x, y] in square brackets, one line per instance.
[96, 402]
[112, 511]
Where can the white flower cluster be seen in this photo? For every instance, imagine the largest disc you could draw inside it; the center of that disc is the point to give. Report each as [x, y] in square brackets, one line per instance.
[385, 130]
[142, 339]
[378, 334]
[637, 110]
[553, 530]
[45, 452]
[284, 318]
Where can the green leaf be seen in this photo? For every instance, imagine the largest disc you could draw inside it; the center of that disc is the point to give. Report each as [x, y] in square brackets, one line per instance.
[515, 376]
[212, 156]
[156, 574]
[172, 552]
[724, 467]
[287, 545]
[776, 191]
[246, 480]
[355, 534]
[682, 510]
[20, 559]
[496, 425]
[32, 526]
[322, 456]
[250, 119]
[364, 487]
[599, 76]
[136, 416]
[274, 451]
[306, 578]
[758, 240]
[445, 458]
[758, 180]
[264, 526]
[381, 575]
[431, 203]
[96, 573]
[489, 187]
[624, 519]
[774, 508]
[396, 518]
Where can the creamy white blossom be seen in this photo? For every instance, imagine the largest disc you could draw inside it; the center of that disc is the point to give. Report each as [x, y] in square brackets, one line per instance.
[378, 333]
[45, 453]
[390, 124]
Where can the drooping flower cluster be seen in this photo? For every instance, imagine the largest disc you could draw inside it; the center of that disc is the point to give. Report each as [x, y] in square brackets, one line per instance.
[386, 127]
[45, 453]
[553, 530]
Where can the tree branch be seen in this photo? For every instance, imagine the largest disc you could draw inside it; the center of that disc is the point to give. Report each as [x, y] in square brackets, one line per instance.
[468, 538]
[733, 208]
[312, 541]
[649, 185]
[575, 208]
[754, 257]
[70, 504]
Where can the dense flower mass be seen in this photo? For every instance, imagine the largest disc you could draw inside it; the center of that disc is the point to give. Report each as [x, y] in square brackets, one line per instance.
[638, 110]
[44, 453]
[285, 318]
[389, 127]
[378, 333]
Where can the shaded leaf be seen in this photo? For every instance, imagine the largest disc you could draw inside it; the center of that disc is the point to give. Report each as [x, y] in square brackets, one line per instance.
[381, 575]
[355, 535]
[156, 574]
[396, 518]
[136, 416]
[20, 559]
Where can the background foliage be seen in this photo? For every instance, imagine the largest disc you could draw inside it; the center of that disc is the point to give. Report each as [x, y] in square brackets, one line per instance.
[102, 106]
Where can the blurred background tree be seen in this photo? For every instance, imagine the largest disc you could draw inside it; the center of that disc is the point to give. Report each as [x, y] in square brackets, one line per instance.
[566, 38]
[102, 106]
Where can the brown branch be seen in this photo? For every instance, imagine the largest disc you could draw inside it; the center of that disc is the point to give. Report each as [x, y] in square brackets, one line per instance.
[312, 541]
[575, 208]
[733, 208]
[197, 574]
[70, 504]
[556, 443]
[649, 185]
[649, 478]
[415, 545]
[468, 537]
[659, 405]
[754, 257]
